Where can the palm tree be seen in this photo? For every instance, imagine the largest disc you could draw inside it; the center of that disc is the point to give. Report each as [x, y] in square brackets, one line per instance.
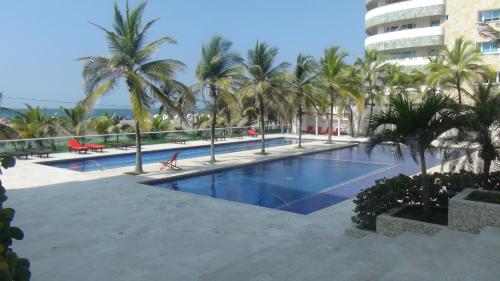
[265, 81]
[218, 68]
[75, 120]
[370, 68]
[302, 87]
[458, 67]
[34, 123]
[416, 125]
[180, 97]
[487, 31]
[479, 129]
[131, 62]
[336, 79]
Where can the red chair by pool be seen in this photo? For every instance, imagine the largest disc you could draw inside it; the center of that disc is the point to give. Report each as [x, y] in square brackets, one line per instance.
[91, 146]
[74, 145]
[251, 133]
[170, 163]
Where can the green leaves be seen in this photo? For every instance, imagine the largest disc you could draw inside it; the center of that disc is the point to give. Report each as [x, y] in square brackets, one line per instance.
[8, 162]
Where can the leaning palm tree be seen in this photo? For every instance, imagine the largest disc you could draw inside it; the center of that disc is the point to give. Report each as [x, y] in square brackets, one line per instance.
[370, 68]
[217, 70]
[336, 79]
[416, 125]
[458, 67]
[131, 62]
[302, 88]
[479, 131]
[265, 81]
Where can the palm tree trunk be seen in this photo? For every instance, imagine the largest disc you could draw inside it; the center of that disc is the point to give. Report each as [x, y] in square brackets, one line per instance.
[426, 193]
[370, 116]
[138, 152]
[262, 128]
[229, 126]
[213, 93]
[300, 126]
[330, 122]
[459, 91]
[351, 121]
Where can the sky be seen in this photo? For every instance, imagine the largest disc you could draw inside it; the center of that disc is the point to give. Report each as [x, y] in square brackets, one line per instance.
[40, 41]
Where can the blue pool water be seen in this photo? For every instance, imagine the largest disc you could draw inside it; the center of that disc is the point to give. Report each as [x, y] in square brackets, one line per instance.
[149, 157]
[301, 184]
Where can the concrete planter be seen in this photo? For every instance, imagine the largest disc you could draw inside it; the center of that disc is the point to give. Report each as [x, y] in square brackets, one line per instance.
[389, 225]
[471, 216]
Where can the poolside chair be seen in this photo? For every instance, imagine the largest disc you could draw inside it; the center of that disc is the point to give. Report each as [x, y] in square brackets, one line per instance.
[121, 145]
[310, 130]
[322, 131]
[170, 163]
[40, 153]
[74, 145]
[91, 146]
[252, 133]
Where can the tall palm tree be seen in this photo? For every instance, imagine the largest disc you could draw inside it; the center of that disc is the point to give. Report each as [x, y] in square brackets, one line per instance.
[302, 87]
[265, 81]
[370, 68]
[336, 79]
[131, 62]
[479, 130]
[217, 70]
[181, 96]
[416, 125]
[458, 67]
[487, 31]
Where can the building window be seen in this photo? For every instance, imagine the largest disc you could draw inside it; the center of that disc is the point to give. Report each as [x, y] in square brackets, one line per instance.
[488, 48]
[404, 55]
[402, 27]
[487, 16]
[435, 22]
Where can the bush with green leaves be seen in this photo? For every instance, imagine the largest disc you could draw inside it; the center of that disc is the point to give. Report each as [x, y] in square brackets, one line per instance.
[12, 268]
[404, 190]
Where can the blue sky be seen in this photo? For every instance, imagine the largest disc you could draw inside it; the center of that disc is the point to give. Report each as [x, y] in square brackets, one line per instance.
[41, 40]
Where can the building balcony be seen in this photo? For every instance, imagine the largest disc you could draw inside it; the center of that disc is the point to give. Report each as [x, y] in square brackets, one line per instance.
[409, 62]
[405, 10]
[410, 38]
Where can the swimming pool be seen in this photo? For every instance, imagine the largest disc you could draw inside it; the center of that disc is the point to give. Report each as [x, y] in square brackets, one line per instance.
[302, 184]
[148, 157]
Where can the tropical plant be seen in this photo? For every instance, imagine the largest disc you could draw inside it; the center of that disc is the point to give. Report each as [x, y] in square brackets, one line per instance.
[336, 79]
[458, 67]
[370, 69]
[416, 125]
[217, 70]
[131, 61]
[487, 31]
[479, 130]
[302, 88]
[108, 124]
[265, 81]
[181, 96]
[159, 124]
[34, 123]
[12, 267]
[75, 120]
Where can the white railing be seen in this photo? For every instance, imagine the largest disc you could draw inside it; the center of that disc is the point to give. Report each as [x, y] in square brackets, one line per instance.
[401, 6]
[404, 34]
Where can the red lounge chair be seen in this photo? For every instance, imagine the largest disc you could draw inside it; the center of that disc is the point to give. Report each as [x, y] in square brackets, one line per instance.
[170, 163]
[309, 130]
[322, 131]
[74, 145]
[251, 133]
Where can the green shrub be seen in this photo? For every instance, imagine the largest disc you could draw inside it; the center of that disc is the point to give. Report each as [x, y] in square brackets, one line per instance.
[404, 190]
[12, 268]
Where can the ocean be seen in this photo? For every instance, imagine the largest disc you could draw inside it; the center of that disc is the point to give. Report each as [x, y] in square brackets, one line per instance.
[56, 111]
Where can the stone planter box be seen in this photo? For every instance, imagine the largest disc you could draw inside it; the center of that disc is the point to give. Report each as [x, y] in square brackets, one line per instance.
[393, 226]
[471, 216]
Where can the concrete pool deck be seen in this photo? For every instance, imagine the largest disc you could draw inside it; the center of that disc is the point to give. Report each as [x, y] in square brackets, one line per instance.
[107, 226]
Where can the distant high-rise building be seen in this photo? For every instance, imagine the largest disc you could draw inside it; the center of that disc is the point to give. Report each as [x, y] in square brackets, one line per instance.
[408, 32]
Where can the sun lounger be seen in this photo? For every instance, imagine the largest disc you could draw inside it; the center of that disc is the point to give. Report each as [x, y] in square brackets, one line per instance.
[40, 153]
[74, 145]
[252, 133]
